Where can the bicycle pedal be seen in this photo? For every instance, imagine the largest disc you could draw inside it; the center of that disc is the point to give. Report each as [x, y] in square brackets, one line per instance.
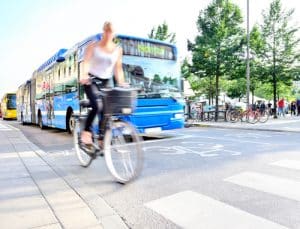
[89, 149]
[100, 153]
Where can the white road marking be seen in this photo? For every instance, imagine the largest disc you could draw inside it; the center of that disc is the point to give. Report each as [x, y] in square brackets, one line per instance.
[248, 135]
[233, 139]
[210, 151]
[192, 210]
[270, 184]
[290, 164]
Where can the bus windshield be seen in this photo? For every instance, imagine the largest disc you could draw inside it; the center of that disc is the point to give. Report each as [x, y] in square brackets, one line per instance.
[11, 101]
[154, 78]
[152, 67]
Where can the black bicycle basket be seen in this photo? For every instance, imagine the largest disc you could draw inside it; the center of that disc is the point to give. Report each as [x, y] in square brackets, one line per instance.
[119, 101]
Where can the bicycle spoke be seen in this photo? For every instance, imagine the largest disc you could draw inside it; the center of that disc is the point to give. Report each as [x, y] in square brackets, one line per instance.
[124, 153]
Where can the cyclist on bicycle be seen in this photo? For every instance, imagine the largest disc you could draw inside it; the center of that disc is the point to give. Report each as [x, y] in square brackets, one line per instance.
[102, 60]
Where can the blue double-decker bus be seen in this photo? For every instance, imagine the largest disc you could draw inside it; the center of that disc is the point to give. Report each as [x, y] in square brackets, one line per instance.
[53, 92]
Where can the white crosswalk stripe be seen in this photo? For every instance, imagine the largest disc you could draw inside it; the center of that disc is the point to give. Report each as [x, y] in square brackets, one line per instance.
[192, 210]
[270, 184]
[289, 164]
[189, 209]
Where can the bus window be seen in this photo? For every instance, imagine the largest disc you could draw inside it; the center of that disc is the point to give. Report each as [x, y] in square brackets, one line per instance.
[65, 75]
[58, 74]
[11, 102]
[74, 62]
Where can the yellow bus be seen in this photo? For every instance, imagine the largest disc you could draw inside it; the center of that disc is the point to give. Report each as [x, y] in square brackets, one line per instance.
[9, 106]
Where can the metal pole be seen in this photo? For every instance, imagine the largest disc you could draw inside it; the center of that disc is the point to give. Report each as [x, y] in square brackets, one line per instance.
[248, 59]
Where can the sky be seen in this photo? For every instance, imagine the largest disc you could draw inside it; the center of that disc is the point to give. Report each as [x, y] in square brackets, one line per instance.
[32, 31]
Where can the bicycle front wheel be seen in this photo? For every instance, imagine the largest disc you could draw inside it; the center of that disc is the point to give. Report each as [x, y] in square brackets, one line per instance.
[252, 117]
[264, 116]
[84, 158]
[123, 151]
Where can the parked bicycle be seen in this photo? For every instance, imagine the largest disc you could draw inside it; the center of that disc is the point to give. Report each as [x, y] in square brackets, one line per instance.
[264, 115]
[122, 146]
[249, 115]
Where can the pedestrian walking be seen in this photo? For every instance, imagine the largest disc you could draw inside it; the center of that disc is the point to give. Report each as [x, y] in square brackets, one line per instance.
[293, 108]
[281, 107]
[270, 108]
[298, 106]
[262, 107]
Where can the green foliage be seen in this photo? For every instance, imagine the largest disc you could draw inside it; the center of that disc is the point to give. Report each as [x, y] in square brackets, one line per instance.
[235, 88]
[202, 86]
[280, 57]
[265, 90]
[161, 32]
[217, 47]
[157, 79]
[218, 53]
[185, 69]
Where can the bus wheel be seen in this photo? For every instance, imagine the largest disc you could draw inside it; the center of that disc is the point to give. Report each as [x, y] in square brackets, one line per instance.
[40, 122]
[70, 123]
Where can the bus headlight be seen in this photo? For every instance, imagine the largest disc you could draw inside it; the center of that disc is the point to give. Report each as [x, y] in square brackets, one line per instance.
[178, 115]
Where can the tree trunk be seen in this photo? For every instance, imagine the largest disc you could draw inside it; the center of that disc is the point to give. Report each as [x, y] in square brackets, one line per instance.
[274, 74]
[210, 91]
[275, 94]
[217, 97]
[217, 86]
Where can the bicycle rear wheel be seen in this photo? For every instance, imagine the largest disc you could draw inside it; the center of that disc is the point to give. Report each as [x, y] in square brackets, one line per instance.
[252, 117]
[234, 116]
[84, 158]
[123, 151]
[264, 116]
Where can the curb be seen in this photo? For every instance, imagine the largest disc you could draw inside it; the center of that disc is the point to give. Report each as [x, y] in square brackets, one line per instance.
[240, 128]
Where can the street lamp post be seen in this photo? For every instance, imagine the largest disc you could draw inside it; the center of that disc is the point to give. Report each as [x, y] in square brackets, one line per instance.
[248, 57]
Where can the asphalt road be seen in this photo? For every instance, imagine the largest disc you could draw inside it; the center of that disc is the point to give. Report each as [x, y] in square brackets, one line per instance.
[197, 178]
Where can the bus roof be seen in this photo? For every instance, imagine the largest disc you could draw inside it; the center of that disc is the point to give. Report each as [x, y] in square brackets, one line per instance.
[60, 54]
[56, 57]
[97, 37]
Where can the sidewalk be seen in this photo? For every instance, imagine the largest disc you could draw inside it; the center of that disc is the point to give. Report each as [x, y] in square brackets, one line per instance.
[282, 124]
[36, 194]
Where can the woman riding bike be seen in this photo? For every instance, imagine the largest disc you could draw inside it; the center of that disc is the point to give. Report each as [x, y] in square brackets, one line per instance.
[102, 60]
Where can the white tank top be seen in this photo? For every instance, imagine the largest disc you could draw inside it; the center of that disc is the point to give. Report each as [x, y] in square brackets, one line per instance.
[102, 63]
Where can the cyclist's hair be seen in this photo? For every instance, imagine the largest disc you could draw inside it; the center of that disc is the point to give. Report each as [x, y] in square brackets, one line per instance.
[107, 26]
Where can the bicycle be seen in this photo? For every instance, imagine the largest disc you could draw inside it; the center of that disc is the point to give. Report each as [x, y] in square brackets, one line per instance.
[122, 146]
[264, 115]
[248, 115]
[209, 115]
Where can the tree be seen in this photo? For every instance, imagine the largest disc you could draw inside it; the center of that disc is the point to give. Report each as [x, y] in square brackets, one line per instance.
[281, 47]
[157, 78]
[235, 88]
[185, 68]
[161, 32]
[216, 48]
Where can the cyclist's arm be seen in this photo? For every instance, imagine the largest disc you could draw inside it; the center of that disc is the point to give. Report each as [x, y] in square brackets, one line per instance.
[86, 63]
[118, 70]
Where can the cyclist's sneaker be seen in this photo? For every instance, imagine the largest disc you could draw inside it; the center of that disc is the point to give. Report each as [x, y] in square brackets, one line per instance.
[89, 149]
[100, 143]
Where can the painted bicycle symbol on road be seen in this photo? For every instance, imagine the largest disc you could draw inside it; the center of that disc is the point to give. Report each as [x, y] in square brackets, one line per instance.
[202, 149]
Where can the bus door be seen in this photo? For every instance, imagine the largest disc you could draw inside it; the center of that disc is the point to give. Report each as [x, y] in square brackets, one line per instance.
[50, 99]
[27, 110]
[32, 100]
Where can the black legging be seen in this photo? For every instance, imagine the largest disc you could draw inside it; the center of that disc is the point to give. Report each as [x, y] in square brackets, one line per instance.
[96, 105]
